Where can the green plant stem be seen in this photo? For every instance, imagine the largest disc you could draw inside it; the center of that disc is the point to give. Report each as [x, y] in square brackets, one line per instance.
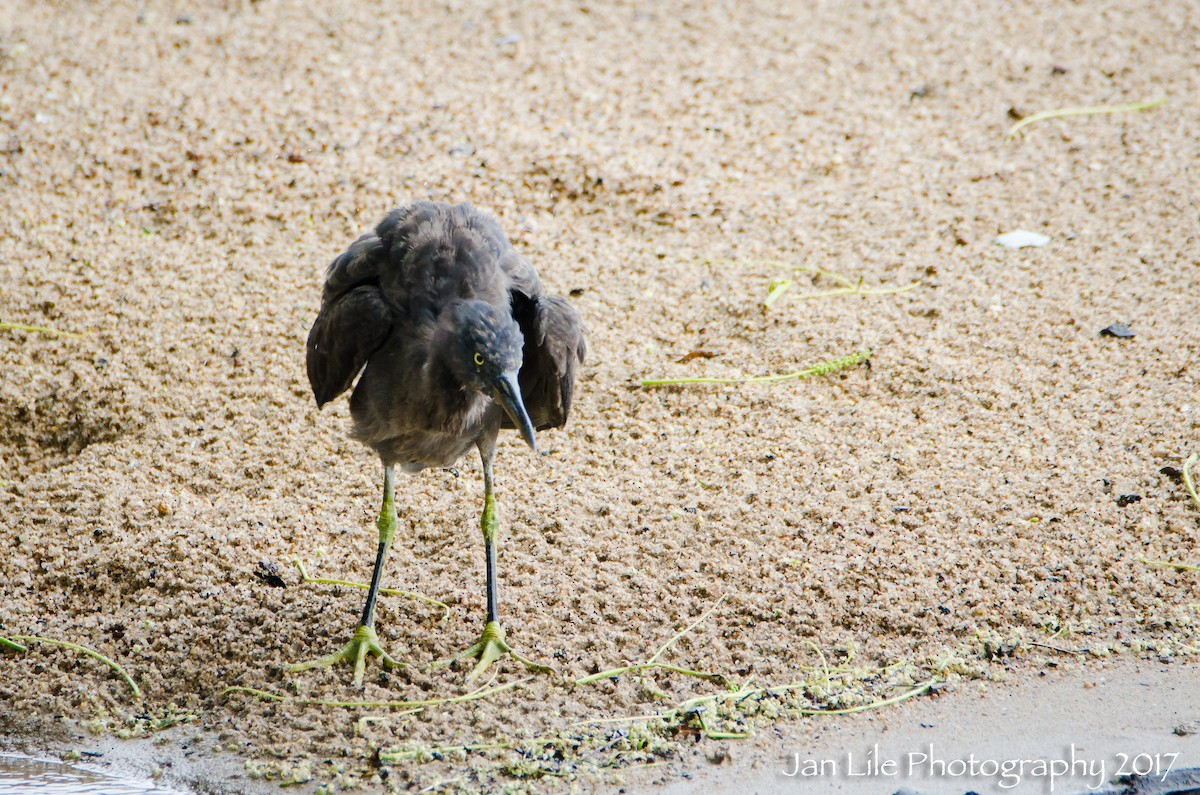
[694, 705]
[1081, 111]
[1188, 483]
[646, 666]
[304, 577]
[776, 290]
[822, 368]
[407, 752]
[9, 645]
[760, 691]
[1170, 565]
[137, 693]
[39, 330]
[887, 702]
[653, 661]
[718, 735]
[686, 630]
[781, 285]
[414, 706]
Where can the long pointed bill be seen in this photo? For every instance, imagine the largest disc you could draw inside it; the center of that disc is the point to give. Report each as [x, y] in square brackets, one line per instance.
[508, 392]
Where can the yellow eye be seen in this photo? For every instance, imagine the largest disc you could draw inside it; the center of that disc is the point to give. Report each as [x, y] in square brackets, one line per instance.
[479, 360]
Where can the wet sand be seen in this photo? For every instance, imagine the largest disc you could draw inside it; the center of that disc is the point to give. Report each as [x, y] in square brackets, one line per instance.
[1063, 731]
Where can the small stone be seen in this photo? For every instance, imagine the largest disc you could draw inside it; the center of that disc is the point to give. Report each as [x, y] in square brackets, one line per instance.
[720, 755]
[1022, 239]
[1128, 499]
[1118, 330]
[1188, 728]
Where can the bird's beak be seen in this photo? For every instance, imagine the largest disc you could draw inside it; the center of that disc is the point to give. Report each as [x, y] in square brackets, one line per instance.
[507, 391]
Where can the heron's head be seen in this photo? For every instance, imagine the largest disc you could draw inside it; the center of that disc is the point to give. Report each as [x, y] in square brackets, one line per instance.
[485, 353]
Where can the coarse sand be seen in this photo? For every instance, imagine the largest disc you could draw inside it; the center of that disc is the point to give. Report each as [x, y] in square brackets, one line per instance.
[978, 500]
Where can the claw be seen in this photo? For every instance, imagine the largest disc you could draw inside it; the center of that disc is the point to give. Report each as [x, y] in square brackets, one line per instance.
[488, 649]
[364, 643]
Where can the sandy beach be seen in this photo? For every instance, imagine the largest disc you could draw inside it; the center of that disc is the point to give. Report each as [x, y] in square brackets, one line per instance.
[983, 499]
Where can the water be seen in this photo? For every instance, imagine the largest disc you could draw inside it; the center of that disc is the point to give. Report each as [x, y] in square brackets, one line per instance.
[26, 775]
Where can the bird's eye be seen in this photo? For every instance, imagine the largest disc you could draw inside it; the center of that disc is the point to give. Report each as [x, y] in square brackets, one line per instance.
[479, 360]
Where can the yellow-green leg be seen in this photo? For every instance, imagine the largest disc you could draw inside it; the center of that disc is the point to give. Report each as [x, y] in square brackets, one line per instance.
[491, 645]
[365, 642]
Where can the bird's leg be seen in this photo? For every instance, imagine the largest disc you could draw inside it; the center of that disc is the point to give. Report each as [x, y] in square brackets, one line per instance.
[365, 642]
[491, 645]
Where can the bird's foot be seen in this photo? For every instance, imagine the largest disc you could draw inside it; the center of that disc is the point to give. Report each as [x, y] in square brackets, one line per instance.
[364, 643]
[490, 648]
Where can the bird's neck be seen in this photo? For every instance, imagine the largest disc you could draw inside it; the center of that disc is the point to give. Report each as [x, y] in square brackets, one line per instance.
[457, 408]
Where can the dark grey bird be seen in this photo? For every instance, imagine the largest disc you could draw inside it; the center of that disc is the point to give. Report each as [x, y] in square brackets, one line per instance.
[451, 337]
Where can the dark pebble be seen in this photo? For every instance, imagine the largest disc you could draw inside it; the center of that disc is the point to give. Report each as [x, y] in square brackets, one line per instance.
[268, 571]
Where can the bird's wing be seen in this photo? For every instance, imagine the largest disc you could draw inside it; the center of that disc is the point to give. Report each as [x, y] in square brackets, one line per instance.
[355, 319]
[554, 350]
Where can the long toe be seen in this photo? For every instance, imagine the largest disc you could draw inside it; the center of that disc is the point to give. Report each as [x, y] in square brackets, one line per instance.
[490, 652]
[490, 648]
[536, 667]
[364, 644]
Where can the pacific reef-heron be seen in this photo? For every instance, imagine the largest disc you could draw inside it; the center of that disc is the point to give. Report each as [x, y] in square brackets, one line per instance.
[451, 337]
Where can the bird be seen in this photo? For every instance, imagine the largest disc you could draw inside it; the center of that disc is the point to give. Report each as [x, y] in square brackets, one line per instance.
[451, 337]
